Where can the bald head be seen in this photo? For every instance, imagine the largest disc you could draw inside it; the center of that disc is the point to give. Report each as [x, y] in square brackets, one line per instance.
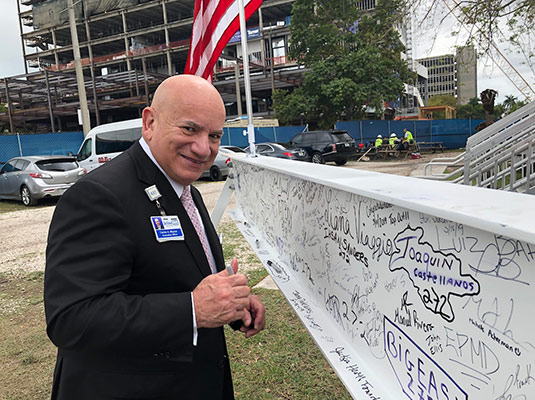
[180, 88]
[183, 126]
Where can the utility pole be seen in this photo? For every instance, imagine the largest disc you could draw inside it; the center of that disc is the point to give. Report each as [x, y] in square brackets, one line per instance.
[246, 79]
[86, 122]
[238, 90]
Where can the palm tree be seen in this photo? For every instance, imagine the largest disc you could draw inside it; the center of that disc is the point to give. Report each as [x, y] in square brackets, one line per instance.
[509, 102]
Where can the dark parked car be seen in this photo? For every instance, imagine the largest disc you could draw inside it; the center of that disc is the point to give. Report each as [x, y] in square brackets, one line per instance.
[32, 178]
[281, 150]
[325, 146]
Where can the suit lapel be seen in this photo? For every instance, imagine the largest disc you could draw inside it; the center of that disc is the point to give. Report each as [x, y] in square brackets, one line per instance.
[149, 174]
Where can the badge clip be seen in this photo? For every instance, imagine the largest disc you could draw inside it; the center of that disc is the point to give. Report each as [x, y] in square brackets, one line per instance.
[154, 194]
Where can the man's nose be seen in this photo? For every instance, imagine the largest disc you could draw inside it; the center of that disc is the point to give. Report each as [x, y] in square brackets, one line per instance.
[201, 146]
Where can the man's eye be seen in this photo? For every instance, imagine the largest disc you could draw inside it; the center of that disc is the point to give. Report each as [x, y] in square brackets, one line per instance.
[188, 129]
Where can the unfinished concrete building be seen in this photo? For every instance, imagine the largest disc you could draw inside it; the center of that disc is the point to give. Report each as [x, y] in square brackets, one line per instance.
[128, 47]
[135, 44]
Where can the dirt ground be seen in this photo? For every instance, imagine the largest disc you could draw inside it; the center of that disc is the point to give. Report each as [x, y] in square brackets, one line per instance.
[405, 167]
[24, 233]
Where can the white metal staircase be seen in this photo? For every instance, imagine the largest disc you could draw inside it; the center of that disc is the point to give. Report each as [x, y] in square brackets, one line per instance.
[501, 156]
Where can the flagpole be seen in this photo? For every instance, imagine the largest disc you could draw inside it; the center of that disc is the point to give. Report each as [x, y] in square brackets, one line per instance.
[246, 79]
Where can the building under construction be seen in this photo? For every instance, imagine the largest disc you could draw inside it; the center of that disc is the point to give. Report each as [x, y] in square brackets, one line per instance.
[127, 48]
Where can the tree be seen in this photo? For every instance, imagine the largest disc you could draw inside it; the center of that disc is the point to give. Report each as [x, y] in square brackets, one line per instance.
[499, 111]
[473, 109]
[294, 107]
[441, 100]
[516, 106]
[354, 61]
[511, 104]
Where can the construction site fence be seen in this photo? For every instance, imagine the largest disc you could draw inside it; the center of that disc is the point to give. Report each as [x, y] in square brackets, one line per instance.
[451, 133]
[237, 136]
[62, 143]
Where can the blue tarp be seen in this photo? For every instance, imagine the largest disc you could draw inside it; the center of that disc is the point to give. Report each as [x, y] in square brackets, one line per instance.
[453, 133]
[39, 144]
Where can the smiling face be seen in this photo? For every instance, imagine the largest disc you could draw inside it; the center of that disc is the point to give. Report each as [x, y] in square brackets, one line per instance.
[183, 126]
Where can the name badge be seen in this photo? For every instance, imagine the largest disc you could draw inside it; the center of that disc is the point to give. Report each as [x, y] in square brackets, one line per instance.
[167, 228]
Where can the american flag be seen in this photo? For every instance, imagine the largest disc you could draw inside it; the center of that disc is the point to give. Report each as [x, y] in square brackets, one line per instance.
[214, 23]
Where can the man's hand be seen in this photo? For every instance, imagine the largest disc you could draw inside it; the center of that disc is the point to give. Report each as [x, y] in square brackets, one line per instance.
[254, 319]
[255, 314]
[221, 298]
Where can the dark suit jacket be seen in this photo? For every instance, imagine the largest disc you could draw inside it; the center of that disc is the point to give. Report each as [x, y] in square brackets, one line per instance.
[118, 303]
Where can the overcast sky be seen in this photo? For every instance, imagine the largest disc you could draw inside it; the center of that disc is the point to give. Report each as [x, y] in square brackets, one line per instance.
[10, 45]
[489, 76]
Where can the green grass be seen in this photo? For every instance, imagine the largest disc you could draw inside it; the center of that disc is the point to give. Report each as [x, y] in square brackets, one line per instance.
[10, 205]
[451, 169]
[27, 357]
[255, 276]
[13, 205]
[282, 362]
[235, 245]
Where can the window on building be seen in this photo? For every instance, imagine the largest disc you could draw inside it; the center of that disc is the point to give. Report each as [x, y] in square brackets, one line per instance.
[279, 47]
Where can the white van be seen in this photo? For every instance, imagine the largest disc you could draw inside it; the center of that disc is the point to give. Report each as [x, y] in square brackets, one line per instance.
[107, 141]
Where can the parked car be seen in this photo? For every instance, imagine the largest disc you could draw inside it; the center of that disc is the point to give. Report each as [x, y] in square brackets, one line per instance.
[281, 150]
[325, 146]
[32, 178]
[232, 149]
[219, 169]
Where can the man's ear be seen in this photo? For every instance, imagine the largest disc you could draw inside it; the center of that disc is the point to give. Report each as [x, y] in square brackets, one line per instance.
[149, 122]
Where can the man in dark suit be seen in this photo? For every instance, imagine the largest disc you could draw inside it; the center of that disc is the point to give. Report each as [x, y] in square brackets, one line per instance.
[136, 314]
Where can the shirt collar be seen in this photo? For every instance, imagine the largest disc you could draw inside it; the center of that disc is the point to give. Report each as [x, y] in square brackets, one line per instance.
[177, 187]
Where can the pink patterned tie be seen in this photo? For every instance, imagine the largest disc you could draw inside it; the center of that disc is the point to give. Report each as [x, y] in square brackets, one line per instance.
[189, 205]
